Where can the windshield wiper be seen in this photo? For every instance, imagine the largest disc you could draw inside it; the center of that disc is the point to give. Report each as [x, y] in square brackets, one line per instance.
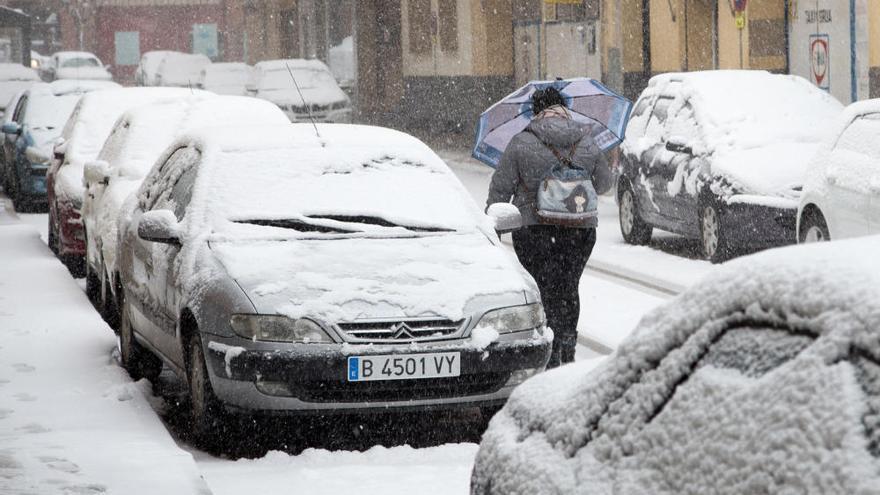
[381, 222]
[298, 225]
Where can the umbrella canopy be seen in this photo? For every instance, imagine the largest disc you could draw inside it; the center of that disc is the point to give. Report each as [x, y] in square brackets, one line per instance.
[587, 100]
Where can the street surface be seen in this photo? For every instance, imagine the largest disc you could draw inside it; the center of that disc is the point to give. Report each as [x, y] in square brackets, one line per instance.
[428, 453]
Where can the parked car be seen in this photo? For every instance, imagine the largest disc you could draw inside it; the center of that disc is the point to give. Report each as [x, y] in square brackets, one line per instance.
[14, 78]
[134, 144]
[145, 74]
[8, 142]
[319, 96]
[306, 276]
[80, 142]
[37, 121]
[75, 65]
[841, 196]
[762, 378]
[181, 69]
[226, 78]
[720, 156]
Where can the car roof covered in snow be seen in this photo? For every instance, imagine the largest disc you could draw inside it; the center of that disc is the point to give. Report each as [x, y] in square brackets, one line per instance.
[153, 127]
[73, 54]
[293, 63]
[17, 72]
[71, 86]
[546, 436]
[181, 69]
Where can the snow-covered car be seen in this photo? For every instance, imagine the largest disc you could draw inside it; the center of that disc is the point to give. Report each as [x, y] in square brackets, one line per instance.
[145, 74]
[721, 156]
[841, 196]
[135, 142]
[342, 63]
[14, 78]
[319, 95]
[181, 69]
[75, 65]
[80, 142]
[228, 78]
[38, 119]
[762, 378]
[8, 141]
[346, 272]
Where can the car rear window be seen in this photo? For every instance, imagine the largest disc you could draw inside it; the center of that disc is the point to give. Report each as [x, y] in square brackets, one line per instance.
[754, 351]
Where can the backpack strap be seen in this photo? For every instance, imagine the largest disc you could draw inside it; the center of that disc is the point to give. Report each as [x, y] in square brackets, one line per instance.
[565, 160]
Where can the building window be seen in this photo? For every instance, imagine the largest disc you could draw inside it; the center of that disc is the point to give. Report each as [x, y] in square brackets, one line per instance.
[128, 48]
[205, 40]
[448, 26]
[420, 18]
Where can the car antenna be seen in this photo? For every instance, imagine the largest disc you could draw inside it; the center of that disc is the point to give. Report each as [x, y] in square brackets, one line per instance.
[303, 98]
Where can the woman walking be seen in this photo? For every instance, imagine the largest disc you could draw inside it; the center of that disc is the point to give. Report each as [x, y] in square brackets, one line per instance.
[555, 252]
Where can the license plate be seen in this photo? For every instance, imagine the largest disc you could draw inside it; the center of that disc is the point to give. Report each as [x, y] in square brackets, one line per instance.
[404, 366]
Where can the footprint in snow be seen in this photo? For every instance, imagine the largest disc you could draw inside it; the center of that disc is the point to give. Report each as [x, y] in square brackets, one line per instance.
[34, 428]
[91, 489]
[25, 397]
[23, 368]
[59, 464]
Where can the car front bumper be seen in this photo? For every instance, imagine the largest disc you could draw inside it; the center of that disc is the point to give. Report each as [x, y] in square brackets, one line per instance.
[761, 225]
[313, 378]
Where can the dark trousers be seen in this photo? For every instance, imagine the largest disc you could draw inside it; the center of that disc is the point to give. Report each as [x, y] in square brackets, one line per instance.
[556, 258]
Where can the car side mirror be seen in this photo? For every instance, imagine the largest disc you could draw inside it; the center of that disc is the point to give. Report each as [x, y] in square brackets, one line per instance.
[159, 226]
[97, 172]
[36, 155]
[11, 128]
[678, 144]
[506, 217]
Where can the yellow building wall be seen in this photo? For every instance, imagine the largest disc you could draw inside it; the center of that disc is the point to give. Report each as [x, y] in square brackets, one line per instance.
[874, 32]
[772, 10]
[666, 35]
[492, 38]
[632, 35]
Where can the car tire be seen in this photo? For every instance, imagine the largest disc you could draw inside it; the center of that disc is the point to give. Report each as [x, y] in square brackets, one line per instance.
[52, 240]
[634, 230]
[814, 228]
[75, 265]
[713, 239]
[139, 362]
[208, 420]
[93, 286]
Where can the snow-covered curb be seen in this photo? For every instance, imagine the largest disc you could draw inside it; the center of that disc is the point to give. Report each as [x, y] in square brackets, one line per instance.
[71, 420]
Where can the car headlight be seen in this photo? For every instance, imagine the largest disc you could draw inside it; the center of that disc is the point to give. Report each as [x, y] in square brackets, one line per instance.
[276, 328]
[513, 319]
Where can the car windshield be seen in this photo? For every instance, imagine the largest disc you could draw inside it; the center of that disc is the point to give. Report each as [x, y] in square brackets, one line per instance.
[80, 62]
[305, 78]
[338, 190]
[50, 112]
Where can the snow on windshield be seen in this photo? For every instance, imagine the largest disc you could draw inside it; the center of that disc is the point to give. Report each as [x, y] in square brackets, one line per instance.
[407, 187]
[49, 112]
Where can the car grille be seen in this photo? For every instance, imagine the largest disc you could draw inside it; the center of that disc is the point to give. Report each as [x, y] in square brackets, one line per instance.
[398, 390]
[401, 330]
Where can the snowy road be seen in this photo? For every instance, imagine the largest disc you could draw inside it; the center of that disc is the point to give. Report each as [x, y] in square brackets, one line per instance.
[411, 454]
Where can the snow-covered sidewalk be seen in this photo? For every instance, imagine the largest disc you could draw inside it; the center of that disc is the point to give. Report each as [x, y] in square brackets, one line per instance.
[71, 420]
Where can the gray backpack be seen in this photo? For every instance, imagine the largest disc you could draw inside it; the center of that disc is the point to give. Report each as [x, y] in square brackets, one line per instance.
[566, 195]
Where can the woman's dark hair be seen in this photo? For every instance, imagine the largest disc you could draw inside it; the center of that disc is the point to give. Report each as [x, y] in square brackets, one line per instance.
[543, 99]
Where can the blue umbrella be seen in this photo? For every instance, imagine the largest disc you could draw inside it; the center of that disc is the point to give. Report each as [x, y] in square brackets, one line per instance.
[587, 100]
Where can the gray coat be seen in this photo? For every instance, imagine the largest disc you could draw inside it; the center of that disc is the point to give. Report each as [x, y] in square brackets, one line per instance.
[526, 162]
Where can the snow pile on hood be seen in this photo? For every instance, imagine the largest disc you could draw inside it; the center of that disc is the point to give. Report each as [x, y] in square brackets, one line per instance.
[181, 69]
[148, 131]
[645, 422]
[91, 123]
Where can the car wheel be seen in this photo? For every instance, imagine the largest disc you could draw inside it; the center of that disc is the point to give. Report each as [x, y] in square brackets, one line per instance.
[139, 362]
[208, 421]
[713, 241]
[93, 286]
[632, 227]
[52, 241]
[814, 228]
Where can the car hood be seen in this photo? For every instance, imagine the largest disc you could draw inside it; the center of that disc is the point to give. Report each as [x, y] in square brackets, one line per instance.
[95, 73]
[776, 169]
[356, 278]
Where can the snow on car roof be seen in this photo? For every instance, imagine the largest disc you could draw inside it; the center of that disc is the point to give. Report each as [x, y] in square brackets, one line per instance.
[181, 69]
[71, 86]
[73, 54]
[17, 72]
[546, 436]
[747, 108]
[293, 63]
[155, 126]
